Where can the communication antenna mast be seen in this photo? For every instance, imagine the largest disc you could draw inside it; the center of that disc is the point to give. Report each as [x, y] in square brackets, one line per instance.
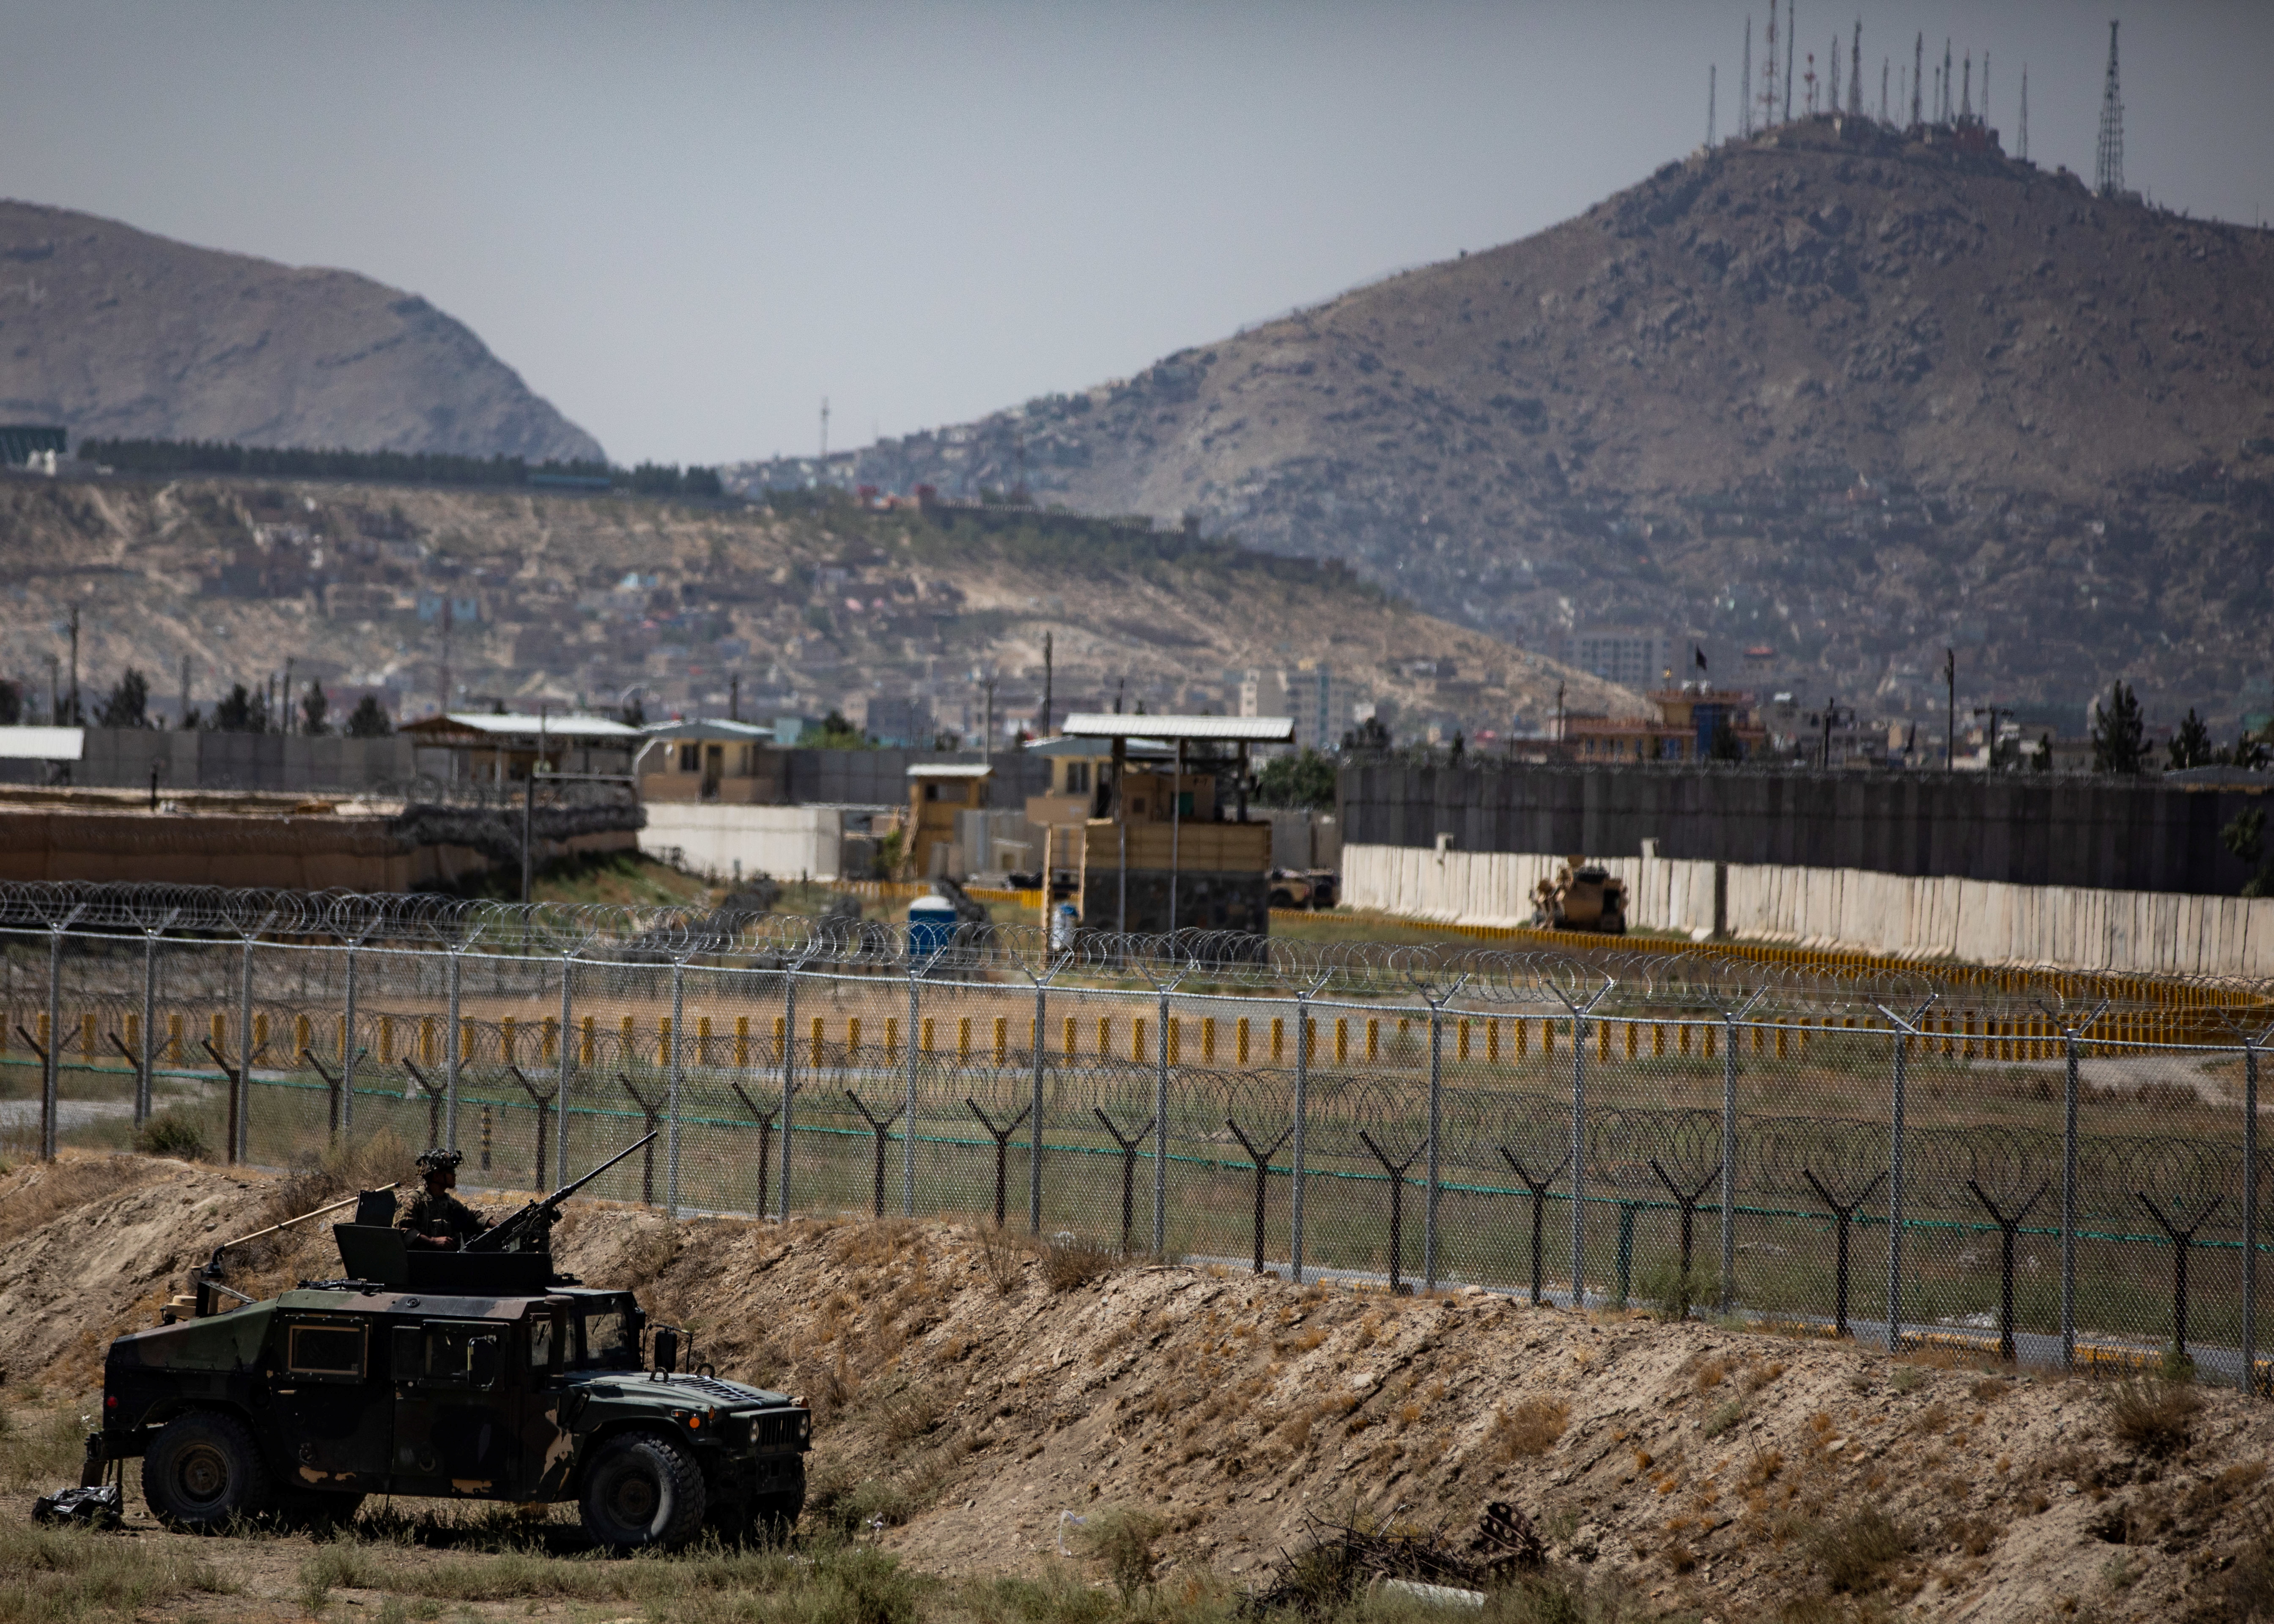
[824, 428]
[1942, 113]
[1831, 67]
[1886, 64]
[1918, 62]
[1856, 72]
[1769, 73]
[1745, 85]
[2025, 112]
[1985, 87]
[1791, 33]
[1711, 69]
[1966, 96]
[2108, 164]
[1809, 78]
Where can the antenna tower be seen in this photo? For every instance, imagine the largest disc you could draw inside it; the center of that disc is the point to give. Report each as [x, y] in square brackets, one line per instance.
[1746, 83]
[1831, 67]
[1985, 87]
[1918, 61]
[1887, 64]
[1942, 113]
[1712, 69]
[1769, 73]
[2025, 112]
[1966, 96]
[2108, 164]
[1791, 32]
[824, 428]
[1856, 72]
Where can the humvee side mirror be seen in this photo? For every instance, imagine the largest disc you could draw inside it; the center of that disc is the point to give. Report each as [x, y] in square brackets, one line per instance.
[666, 1349]
[482, 1361]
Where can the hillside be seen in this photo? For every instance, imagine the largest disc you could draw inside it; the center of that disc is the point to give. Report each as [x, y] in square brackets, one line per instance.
[116, 334]
[1847, 393]
[579, 599]
[981, 1403]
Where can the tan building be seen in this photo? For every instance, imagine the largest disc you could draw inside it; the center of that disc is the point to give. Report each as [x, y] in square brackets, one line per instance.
[699, 759]
[1683, 729]
[472, 746]
[937, 791]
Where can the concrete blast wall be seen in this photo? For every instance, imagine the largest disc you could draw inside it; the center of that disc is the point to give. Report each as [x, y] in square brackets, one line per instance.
[713, 837]
[1979, 922]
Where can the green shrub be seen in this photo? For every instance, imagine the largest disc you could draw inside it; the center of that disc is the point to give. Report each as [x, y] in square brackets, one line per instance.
[1671, 1293]
[1123, 1540]
[174, 1131]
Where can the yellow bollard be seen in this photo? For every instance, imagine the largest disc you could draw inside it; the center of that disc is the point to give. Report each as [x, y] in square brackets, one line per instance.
[552, 1046]
[891, 1039]
[1002, 1038]
[1279, 1039]
[1524, 1035]
[928, 1045]
[1546, 1040]
[963, 1039]
[1603, 1042]
[1137, 1038]
[1708, 1035]
[259, 1032]
[429, 1039]
[1176, 1040]
[1491, 1042]
[1657, 1041]
[1240, 1039]
[742, 1041]
[505, 1040]
[1208, 1040]
[702, 1040]
[1780, 1043]
[819, 1049]
[1462, 1040]
[1105, 1037]
[1341, 1040]
[300, 1036]
[1372, 1038]
[663, 1050]
[853, 1040]
[174, 1038]
[1073, 1036]
[1684, 1030]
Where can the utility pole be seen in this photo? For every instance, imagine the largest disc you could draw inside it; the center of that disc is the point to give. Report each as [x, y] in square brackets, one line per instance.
[184, 720]
[55, 690]
[1855, 73]
[1989, 762]
[2024, 152]
[1711, 69]
[76, 719]
[987, 727]
[288, 694]
[1950, 724]
[1886, 64]
[1745, 85]
[1918, 66]
[1043, 731]
[444, 709]
[1791, 32]
[735, 697]
[1561, 733]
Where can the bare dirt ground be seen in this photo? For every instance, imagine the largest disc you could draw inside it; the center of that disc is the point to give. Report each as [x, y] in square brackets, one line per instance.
[975, 1394]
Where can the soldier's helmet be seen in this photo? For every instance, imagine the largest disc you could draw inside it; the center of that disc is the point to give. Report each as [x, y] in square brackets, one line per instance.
[439, 1161]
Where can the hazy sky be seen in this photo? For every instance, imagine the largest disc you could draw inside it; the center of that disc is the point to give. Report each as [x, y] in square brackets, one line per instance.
[684, 224]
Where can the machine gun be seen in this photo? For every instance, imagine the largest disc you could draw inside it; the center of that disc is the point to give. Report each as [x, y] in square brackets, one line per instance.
[530, 1229]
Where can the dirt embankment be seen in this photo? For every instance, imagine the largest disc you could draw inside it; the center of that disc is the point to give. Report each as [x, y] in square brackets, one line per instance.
[972, 1393]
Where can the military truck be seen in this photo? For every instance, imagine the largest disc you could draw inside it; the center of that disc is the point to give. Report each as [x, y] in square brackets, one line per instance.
[468, 1375]
[1583, 896]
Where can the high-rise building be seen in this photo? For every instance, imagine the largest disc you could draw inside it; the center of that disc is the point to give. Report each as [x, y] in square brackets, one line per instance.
[1632, 657]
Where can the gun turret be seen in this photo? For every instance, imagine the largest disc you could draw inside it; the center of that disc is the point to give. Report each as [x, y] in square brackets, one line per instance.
[530, 1229]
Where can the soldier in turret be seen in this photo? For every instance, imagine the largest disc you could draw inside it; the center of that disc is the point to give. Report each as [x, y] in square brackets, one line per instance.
[435, 1219]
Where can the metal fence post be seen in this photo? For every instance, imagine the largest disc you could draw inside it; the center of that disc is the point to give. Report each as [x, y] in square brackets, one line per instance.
[1161, 1138]
[245, 1057]
[52, 1064]
[2068, 1209]
[1437, 1121]
[1302, 1133]
[2249, 1382]
[561, 1089]
[788, 1081]
[1035, 1123]
[1895, 1197]
[1579, 1161]
[678, 1063]
[908, 1135]
[146, 1059]
[1729, 1162]
[450, 1084]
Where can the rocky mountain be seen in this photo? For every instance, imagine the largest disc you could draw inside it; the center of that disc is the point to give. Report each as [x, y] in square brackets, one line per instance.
[1842, 392]
[116, 334]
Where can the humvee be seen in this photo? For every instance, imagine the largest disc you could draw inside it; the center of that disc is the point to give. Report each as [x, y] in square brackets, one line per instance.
[467, 1375]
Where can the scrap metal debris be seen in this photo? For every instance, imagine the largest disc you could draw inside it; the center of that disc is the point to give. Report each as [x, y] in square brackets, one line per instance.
[1338, 1559]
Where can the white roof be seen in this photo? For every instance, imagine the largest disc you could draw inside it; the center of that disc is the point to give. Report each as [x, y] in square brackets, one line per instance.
[551, 726]
[707, 728]
[1238, 729]
[42, 743]
[950, 770]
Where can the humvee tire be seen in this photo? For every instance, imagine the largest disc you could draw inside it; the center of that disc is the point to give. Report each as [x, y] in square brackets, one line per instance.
[316, 1509]
[643, 1491]
[203, 1471]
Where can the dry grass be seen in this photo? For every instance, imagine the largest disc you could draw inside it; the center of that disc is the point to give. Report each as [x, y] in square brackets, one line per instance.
[1854, 1552]
[37, 1193]
[1531, 1427]
[40, 1447]
[2154, 1416]
[1070, 1261]
[58, 1575]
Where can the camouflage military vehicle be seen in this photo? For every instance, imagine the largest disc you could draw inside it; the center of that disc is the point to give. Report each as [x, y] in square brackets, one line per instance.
[469, 1375]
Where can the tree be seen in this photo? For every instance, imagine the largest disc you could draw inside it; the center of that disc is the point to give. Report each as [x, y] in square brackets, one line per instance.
[241, 711]
[837, 733]
[369, 719]
[314, 707]
[129, 703]
[1371, 734]
[1306, 778]
[2042, 761]
[2119, 735]
[2191, 746]
[1724, 746]
[2245, 836]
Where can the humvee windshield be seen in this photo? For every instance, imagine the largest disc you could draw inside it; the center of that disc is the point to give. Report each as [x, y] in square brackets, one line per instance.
[606, 1341]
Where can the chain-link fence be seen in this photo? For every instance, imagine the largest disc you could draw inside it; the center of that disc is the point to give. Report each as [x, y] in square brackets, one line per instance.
[2025, 1170]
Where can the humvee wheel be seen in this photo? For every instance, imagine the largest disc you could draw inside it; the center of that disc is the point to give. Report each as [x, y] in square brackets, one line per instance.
[642, 1491]
[316, 1508]
[203, 1471]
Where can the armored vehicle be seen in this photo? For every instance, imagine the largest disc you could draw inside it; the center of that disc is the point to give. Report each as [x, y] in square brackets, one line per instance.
[471, 1375]
[1583, 896]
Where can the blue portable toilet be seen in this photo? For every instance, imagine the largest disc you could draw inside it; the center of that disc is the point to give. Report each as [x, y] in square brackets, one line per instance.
[931, 926]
